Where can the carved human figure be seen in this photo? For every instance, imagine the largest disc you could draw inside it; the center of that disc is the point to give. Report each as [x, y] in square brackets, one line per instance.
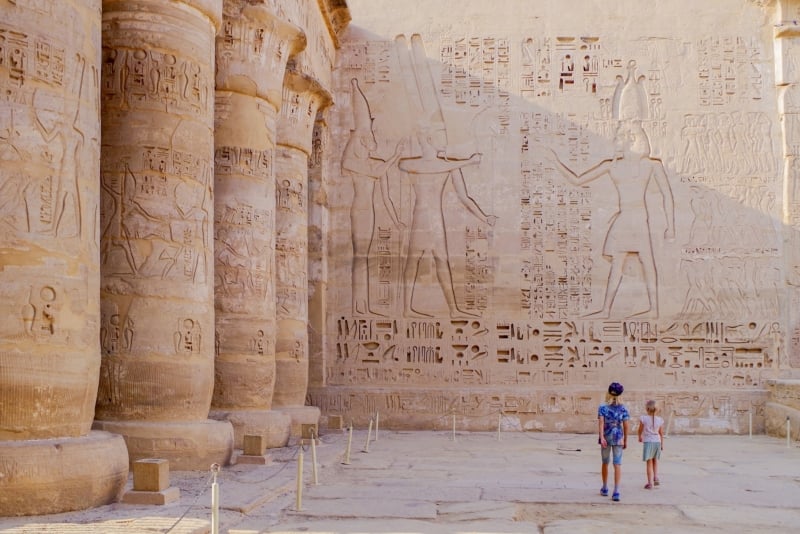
[429, 174]
[65, 143]
[631, 170]
[365, 168]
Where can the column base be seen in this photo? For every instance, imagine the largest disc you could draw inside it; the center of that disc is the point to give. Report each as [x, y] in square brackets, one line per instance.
[188, 446]
[301, 415]
[50, 476]
[271, 424]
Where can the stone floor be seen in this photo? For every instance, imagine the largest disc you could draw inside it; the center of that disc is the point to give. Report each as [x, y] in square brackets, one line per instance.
[437, 482]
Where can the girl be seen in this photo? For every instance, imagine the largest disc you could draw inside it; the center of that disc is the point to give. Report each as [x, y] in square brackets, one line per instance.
[651, 434]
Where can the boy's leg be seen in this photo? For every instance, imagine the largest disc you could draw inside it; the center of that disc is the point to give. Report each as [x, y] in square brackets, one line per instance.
[605, 457]
[617, 470]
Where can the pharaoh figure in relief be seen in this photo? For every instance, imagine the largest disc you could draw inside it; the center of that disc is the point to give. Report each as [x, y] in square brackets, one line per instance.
[631, 170]
[438, 165]
[360, 162]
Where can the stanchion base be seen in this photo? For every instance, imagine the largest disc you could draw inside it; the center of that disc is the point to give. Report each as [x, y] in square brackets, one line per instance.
[253, 460]
[152, 497]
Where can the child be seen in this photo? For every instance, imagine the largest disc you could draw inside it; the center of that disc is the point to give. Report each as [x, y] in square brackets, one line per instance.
[612, 418]
[651, 434]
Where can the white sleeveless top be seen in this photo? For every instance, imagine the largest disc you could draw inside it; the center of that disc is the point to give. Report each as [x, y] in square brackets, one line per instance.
[650, 433]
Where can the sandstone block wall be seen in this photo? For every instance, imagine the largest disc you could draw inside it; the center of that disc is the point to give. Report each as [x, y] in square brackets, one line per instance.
[535, 199]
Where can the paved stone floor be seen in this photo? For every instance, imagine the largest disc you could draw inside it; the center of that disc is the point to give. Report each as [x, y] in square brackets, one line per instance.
[429, 482]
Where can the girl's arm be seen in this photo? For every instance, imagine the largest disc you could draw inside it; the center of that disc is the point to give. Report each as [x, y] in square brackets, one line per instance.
[661, 436]
[641, 431]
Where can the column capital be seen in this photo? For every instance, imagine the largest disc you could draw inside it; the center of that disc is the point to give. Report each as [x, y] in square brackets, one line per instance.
[337, 17]
[210, 8]
[252, 50]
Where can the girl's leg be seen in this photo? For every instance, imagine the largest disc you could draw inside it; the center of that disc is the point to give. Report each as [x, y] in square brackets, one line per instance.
[655, 471]
[650, 472]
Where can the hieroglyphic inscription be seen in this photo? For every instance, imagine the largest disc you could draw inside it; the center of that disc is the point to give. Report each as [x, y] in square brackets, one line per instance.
[117, 330]
[474, 70]
[242, 241]
[156, 217]
[243, 161]
[556, 265]
[696, 354]
[297, 108]
[561, 65]
[150, 79]
[242, 39]
[729, 70]
[188, 337]
[555, 219]
[28, 59]
[371, 59]
[242, 250]
[478, 268]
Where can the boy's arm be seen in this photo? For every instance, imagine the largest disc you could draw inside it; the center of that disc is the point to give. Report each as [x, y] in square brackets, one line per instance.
[625, 435]
[600, 423]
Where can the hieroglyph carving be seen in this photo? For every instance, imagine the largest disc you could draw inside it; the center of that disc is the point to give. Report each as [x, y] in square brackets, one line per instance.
[156, 215]
[636, 190]
[149, 79]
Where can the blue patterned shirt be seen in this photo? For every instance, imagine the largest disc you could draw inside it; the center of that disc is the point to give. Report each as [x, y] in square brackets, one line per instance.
[613, 416]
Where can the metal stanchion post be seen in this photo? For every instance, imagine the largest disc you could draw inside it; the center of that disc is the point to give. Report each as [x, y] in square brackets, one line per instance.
[499, 422]
[214, 499]
[314, 479]
[369, 436]
[299, 501]
[377, 417]
[454, 427]
[349, 444]
[750, 424]
[788, 432]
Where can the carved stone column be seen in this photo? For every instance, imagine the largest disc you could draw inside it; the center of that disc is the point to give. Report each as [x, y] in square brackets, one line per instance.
[302, 98]
[252, 50]
[157, 333]
[787, 77]
[318, 228]
[50, 459]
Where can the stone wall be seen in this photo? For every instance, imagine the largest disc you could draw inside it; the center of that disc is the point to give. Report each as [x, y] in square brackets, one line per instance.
[535, 200]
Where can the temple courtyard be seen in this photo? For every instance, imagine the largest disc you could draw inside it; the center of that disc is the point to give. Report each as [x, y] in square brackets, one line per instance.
[469, 482]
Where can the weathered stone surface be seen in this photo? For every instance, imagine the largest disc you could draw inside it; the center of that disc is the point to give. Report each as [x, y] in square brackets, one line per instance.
[189, 445]
[49, 476]
[49, 276]
[156, 238]
[274, 425]
[252, 51]
[49, 273]
[532, 204]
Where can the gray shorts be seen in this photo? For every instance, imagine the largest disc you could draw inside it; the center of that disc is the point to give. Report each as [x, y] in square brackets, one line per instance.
[651, 450]
[606, 454]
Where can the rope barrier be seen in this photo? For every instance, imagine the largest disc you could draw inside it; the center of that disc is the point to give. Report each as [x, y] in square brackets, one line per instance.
[211, 476]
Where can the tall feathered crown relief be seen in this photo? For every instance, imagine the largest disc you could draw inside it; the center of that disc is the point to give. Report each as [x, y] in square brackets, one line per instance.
[630, 97]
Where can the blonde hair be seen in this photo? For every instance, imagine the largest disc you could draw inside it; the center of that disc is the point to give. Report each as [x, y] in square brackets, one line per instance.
[650, 406]
[612, 399]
